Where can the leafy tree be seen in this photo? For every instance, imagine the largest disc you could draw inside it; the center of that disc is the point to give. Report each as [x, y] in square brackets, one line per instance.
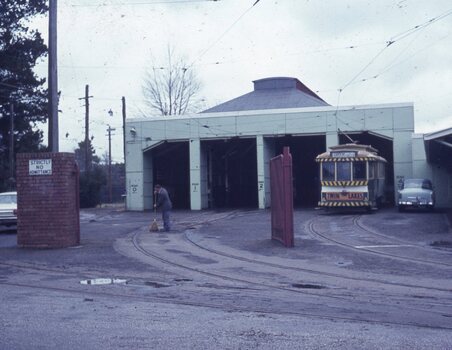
[80, 156]
[173, 88]
[93, 179]
[91, 184]
[20, 49]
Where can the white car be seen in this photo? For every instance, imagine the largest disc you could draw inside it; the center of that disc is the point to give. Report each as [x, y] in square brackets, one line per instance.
[416, 193]
[8, 208]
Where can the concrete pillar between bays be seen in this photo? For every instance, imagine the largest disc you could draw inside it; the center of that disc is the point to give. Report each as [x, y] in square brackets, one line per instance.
[195, 175]
[332, 139]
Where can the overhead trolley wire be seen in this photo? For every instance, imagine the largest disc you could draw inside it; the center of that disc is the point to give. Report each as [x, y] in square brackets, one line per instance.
[222, 35]
[142, 3]
[399, 37]
[394, 39]
[421, 26]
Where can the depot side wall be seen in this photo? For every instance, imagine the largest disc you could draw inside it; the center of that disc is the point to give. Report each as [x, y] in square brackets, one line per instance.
[441, 178]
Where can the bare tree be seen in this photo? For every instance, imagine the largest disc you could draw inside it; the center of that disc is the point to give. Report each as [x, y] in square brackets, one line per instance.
[173, 88]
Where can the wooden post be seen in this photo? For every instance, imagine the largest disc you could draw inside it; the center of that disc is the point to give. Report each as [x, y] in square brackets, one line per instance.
[11, 140]
[53, 78]
[87, 148]
[110, 192]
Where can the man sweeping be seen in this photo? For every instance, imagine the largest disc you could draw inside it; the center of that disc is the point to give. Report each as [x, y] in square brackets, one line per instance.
[163, 202]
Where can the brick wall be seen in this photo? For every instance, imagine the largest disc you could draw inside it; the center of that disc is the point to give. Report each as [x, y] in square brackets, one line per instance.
[47, 204]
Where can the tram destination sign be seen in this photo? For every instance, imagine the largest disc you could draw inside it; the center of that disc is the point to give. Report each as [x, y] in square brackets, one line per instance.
[40, 167]
[343, 154]
[344, 196]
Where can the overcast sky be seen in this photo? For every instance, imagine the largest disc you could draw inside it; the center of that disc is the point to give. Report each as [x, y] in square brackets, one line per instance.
[338, 48]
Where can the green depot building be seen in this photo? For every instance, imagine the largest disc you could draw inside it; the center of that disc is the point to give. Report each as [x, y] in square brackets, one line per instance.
[220, 157]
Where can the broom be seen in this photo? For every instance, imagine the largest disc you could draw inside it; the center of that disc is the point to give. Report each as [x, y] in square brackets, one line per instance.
[154, 226]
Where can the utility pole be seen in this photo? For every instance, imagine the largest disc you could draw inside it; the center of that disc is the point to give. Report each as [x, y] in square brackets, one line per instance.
[53, 78]
[11, 140]
[86, 98]
[124, 142]
[109, 130]
[124, 128]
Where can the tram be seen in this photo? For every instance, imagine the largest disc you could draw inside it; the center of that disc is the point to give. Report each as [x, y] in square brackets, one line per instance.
[351, 175]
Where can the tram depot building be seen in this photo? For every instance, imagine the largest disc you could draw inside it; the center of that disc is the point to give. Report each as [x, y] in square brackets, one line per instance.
[220, 158]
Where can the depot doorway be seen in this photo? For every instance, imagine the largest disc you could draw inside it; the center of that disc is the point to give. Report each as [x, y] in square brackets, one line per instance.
[384, 146]
[304, 150]
[170, 168]
[231, 173]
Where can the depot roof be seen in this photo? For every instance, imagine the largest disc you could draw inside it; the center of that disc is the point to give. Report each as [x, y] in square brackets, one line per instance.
[272, 93]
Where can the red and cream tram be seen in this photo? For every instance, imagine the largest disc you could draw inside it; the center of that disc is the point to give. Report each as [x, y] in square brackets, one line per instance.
[351, 175]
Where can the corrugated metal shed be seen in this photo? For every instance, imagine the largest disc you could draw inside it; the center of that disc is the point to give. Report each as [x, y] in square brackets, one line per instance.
[272, 93]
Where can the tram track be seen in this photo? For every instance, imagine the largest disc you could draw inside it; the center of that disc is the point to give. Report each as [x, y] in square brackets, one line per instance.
[218, 306]
[226, 306]
[190, 221]
[66, 271]
[187, 236]
[89, 294]
[359, 222]
[316, 233]
[310, 271]
[367, 297]
[167, 261]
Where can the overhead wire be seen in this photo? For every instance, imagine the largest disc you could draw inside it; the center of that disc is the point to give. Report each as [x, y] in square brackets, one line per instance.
[208, 48]
[141, 3]
[112, 4]
[421, 26]
[394, 62]
[398, 37]
[394, 39]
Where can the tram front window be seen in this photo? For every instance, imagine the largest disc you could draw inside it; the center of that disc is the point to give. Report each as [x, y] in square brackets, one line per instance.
[359, 170]
[328, 171]
[343, 171]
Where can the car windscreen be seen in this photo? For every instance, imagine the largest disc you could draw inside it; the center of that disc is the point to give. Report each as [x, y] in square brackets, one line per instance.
[8, 199]
[415, 183]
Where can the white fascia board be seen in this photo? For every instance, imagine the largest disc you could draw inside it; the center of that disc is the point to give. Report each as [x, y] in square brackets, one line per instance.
[272, 111]
[438, 134]
[417, 136]
[306, 109]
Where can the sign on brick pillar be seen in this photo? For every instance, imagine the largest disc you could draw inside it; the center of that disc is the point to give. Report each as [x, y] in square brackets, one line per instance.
[47, 200]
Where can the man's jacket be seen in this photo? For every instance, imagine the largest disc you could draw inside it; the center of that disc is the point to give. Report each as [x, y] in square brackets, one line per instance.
[163, 201]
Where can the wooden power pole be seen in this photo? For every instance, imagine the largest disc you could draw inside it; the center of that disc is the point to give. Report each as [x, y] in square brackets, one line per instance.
[87, 148]
[53, 78]
[110, 192]
[124, 142]
[124, 128]
[11, 140]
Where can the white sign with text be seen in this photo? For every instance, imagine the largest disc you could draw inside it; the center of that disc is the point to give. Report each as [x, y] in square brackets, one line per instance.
[40, 167]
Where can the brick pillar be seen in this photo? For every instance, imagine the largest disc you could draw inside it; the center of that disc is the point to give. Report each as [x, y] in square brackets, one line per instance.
[47, 200]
